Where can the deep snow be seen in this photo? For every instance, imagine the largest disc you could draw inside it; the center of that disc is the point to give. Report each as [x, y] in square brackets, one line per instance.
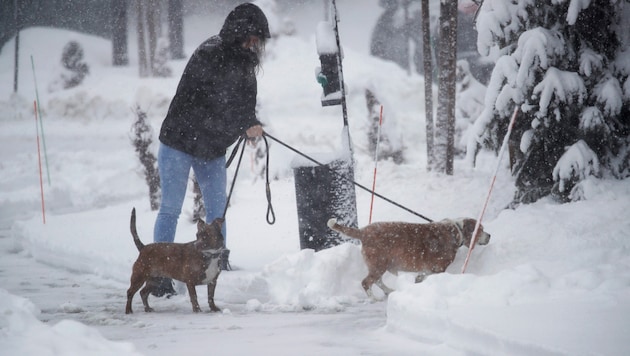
[555, 279]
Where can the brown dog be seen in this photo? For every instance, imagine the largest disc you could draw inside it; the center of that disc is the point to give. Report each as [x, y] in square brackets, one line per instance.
[405, 247]
[194, 263]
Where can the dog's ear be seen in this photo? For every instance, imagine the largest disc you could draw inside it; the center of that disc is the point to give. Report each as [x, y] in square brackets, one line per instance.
[469, 226]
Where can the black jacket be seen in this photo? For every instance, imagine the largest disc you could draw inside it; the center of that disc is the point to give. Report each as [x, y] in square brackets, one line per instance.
[215, 101]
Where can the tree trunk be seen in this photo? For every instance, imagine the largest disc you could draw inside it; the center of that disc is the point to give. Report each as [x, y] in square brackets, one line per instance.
[176, 28]
[447, 59]
[143, 64]
[119, 33]
[153, 21]
[148, 33]
[428, 82]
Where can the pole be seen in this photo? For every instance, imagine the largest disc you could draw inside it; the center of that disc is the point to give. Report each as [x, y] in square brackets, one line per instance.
[473, 239]
[39, 159]
[340, 66]
[41, 125]
[17, 46]
[378, 140]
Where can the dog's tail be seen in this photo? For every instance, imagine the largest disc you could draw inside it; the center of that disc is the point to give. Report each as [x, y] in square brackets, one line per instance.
[134, 232]
[346, 230]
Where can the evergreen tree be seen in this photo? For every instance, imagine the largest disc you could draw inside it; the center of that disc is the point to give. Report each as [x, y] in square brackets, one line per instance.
[565, 65]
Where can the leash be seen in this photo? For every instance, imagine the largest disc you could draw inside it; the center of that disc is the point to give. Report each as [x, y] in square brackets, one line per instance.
[271, 216]
[343, 177]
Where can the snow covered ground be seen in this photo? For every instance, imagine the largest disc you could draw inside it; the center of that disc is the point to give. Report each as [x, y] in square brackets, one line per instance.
[554, 280]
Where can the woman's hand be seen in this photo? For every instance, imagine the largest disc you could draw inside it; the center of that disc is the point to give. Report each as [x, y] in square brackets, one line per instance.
[254, 131]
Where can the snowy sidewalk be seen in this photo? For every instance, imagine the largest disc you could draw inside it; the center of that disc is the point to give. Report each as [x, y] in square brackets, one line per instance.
[66, 295]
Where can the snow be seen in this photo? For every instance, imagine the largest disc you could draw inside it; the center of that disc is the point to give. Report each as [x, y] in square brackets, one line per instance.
[326, 41]
[609, 94]
[537, 48]
[590, 61]
[495, 24]
[575, 6]
[578, 162]
[554, 279]
[23, 334]
[592, 119]
[559, 86]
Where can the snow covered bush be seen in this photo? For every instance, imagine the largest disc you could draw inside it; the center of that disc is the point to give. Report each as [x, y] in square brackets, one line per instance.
[142, 140]
[74, 69]
[565, 64]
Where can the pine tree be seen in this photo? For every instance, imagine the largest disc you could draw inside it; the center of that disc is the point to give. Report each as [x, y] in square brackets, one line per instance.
[565, 65]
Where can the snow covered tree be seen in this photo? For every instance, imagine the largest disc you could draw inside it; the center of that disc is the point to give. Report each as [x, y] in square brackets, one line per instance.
[74, 69]
[153, 46]
[565, 65]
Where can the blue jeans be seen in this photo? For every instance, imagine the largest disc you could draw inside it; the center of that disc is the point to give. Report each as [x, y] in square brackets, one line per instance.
[174, 168]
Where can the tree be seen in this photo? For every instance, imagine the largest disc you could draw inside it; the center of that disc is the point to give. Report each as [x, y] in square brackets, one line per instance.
[152, 47]
[428, 80]
[176, 28]
[119, 32]
[447, 57]
[565, 65]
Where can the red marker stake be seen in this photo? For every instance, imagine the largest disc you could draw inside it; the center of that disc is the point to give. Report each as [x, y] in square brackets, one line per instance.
[39, 159]
[494, 178]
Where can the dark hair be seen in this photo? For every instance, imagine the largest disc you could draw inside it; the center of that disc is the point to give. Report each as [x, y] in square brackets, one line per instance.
[259, 52]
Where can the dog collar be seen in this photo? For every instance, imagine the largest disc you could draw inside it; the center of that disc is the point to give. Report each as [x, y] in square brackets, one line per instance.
[460, 235]
[212, 254]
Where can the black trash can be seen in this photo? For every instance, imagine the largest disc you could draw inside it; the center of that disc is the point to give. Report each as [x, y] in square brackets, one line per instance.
[322, 193]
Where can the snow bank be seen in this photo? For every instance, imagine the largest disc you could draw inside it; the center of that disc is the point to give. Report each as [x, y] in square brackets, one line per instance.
[21, 333]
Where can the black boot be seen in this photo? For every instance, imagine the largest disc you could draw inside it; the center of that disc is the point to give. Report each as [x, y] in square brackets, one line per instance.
[161, 287]
[224, 263]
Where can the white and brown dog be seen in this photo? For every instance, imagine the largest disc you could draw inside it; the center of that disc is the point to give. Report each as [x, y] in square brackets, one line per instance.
[406, 247]
[194, 263]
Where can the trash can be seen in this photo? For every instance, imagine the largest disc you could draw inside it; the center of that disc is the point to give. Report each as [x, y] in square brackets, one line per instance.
[322, 193]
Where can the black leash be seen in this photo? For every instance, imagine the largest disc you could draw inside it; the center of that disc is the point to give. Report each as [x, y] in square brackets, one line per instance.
[343, 177]
[271, 216]
[238, 165]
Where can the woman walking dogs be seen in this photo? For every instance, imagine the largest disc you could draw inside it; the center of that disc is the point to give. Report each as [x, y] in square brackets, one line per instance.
[213, 106]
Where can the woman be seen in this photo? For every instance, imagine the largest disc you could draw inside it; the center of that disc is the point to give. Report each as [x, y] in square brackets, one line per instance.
[213, 106]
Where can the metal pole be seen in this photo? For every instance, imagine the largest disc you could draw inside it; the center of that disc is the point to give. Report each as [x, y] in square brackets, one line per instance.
[340, 66]
[17, 46]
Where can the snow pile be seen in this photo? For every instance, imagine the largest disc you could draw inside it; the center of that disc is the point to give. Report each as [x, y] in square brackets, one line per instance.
[533, 284]
[307, 280]
[21, 333]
